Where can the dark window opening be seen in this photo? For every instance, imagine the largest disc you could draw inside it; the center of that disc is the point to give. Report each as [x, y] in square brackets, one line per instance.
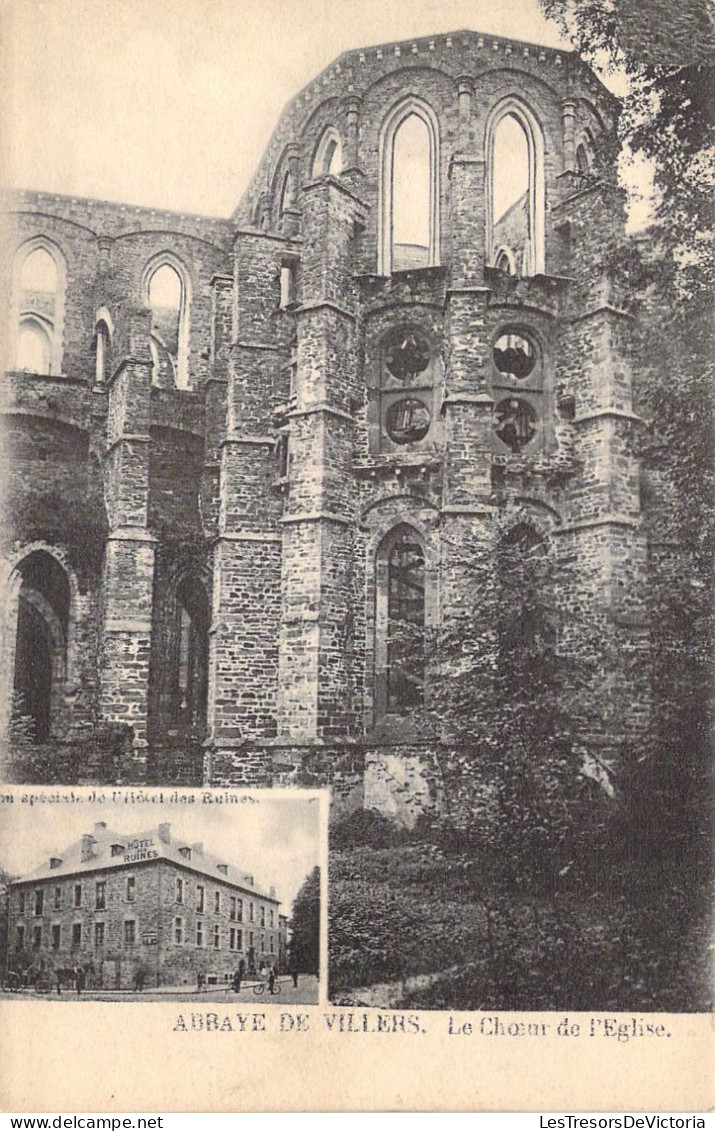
[407, 420]
[40, 644]
[190, 690]
[514, 355]
[527, 636]
[515, 423]
[405, 625]
[102, 353]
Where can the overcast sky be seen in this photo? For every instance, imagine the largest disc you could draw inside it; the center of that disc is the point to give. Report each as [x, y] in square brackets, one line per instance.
[275, 838]
[170, 103]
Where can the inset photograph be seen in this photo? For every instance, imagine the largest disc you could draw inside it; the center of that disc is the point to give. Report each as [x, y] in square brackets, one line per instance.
[176, 896]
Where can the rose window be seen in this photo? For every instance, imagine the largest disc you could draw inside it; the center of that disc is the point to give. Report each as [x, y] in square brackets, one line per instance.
[515, 422]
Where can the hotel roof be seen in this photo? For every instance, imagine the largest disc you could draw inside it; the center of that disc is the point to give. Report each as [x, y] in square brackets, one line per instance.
[98, 850]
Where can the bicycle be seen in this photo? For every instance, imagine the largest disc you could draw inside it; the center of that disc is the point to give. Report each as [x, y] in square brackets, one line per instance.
[261, 987]
[43, 985]
[13, 981]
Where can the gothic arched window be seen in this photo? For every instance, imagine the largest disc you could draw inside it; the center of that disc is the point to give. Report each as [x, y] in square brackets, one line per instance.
[166, 293]
[329, 154]
[515, 187]
[102, 352]
[400, 623]
[39, 307]
[409, 188]
[41, 644]
[34, 345]
[190, 657]
[526, 632]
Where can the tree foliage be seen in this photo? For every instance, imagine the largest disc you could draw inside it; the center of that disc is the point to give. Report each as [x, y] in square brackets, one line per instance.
[666, 52]
[305, 925]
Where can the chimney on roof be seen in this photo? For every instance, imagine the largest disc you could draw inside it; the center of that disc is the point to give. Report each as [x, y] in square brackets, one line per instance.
[249, 880]
[198, 848]
[86, 847]
[272, 891]
[222, 868]
[99, 827]
[55, 861]
[165, 832]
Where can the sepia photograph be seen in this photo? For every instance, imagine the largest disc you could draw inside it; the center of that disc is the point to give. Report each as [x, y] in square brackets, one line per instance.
[109, 897]
[357, 438]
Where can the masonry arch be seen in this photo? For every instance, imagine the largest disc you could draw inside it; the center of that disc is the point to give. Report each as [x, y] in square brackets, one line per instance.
[37, 645]
[328, 158]
[515, 186]
[400, 535]
[409, 161]
[166, 291]
[190, 658]
[103, 334]
[39, 295]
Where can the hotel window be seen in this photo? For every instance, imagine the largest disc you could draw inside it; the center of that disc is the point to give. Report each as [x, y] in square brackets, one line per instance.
[76, 935]
[131, 891]
[270, 943]
[250, 940]
[232, 908]
[55, 936]
[36, 937]
[199, 934]
[99, 934]
[217, 902]
[263, 944]
[130, 932]
[100, 896]
[239, 907]
[250, 912]
[21, 903]
[263, 916]
[117, 849]
[179, 890]
[217, 937]
[270, 917]
[58, 898]
[39, 901]
[77, 895]
[232, 938]
[178, 931]
[20, 938]
[200, 897]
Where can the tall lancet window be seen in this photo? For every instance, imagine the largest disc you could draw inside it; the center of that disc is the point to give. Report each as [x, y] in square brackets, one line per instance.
[168, 299]
[515, 188]
[400, 623]
[411, 195]
[409, 190]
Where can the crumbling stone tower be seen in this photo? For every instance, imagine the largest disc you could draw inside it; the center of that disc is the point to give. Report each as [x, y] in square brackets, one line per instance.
[403, 341]
[420, 282]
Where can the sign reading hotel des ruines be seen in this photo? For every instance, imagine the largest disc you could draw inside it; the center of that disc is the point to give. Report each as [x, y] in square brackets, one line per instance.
[138, 850]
